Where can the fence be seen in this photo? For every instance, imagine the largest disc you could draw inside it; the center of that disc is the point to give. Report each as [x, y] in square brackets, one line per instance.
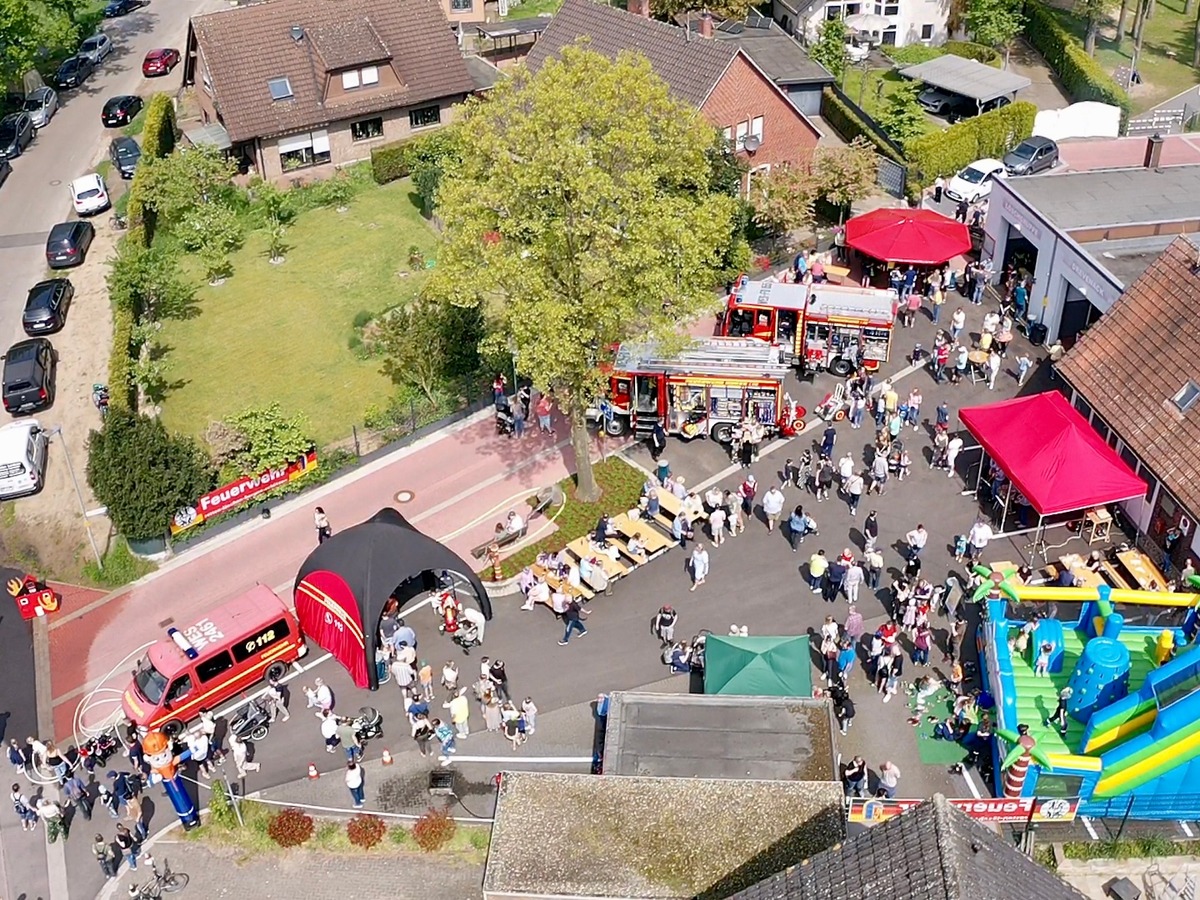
[892, 176]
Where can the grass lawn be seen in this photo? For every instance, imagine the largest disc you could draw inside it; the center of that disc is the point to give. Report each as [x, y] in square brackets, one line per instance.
[1169, 30]
[530, 8]
[281, 332]
[870, 89]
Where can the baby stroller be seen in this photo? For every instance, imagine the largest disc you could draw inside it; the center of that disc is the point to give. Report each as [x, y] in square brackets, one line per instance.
[368, 724]
[469, 633]
[895, 451]
[697, 657]
[505, 421]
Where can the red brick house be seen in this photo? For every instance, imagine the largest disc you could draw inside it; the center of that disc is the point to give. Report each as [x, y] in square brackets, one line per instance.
[717, 77]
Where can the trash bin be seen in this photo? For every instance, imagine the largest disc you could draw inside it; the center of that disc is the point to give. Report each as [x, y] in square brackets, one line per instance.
[664, 471]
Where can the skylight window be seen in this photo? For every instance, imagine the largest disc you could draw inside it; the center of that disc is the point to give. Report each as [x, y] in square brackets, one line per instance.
[280, 88]
[1187, 396]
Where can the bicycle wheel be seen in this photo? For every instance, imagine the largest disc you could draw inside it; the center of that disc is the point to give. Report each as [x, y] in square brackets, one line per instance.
[174, 881]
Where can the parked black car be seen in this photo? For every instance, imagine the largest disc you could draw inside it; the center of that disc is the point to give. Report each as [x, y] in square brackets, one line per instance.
[68, 244]
[120, 110]
[1031, 155]
[74, 72]
[16, 133]
[46, 306]
[125, 155]
[29, 376]
[119, 8]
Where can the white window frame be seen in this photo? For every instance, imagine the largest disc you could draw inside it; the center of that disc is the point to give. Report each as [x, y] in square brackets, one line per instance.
[369, 75]
[350, 79]
[373, 137]
[741, 132]
[756, 127]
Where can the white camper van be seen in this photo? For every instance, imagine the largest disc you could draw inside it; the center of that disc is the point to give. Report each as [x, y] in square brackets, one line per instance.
[22, 458]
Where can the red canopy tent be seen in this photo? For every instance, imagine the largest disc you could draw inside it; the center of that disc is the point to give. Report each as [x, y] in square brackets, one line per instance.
[1051, 454]
[918, 236]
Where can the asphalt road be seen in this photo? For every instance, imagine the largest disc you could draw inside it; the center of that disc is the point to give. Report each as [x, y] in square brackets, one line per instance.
[35, 196]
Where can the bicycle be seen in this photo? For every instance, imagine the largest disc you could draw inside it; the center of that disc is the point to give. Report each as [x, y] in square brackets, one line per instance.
[165, 882]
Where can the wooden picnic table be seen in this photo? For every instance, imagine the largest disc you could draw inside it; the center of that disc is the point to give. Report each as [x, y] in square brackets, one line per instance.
[1114, 576]
[671, 505]
[654, 540]
[1074, 563]
[582, 547]
[1145, 573]
[558, 584]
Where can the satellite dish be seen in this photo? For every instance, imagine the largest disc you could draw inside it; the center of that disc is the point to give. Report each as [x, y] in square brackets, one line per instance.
[752, 143]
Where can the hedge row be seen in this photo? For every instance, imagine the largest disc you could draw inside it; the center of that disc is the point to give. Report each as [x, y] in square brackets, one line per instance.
[990, 135]
[159, 131]
[393, 161]
[970, 50]
[915, 54]
[849, 125]
[120, 362]
[1082, 76]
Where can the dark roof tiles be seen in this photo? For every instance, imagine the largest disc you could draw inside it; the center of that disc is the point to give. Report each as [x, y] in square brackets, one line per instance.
[247, 46]
[1131, 363]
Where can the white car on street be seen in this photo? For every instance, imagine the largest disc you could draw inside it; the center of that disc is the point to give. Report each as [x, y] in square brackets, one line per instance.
[89, 195]
[974, 182]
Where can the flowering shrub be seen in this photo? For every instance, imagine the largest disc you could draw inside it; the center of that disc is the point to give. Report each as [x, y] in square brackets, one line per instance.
[433, 830]
[290, 828]
[365, 830]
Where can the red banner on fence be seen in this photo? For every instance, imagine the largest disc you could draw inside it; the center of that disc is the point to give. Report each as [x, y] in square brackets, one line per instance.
[990, 809]
[238, 492]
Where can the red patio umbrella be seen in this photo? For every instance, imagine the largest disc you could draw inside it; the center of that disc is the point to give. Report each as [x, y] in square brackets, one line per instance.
[918, 236]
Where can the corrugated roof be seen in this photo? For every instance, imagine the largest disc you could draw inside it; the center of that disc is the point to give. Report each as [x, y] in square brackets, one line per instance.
[1131, 363]
[932, 852]
[967, 77]
[247, 46]
[691, 66]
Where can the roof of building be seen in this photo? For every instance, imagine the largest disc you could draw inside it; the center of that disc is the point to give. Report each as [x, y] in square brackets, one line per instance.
[1112, 196]
[930, 852]
[776, 52]
[691, 66]
[967, 77]
[483, 73]
[1142, 352]
[247, 46]
[654, 838]
[709, 736]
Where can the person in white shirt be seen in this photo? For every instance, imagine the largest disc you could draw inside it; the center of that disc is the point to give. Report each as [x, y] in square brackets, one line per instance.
[319, 695]
[952, 450]
[692, 507]
[714, 498]
[846, 467]
[716, 525]
[916, 540]
[977, 539]
[539, 593]
[889, 777]
[772, 504]
[514, 523]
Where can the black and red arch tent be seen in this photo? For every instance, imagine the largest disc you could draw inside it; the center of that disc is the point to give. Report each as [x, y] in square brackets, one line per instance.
[343, 586]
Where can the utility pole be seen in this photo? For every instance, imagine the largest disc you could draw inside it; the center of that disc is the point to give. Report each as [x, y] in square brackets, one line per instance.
[79, 494]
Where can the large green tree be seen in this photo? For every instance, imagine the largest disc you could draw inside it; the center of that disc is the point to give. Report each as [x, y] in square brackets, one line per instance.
[583, 211]
[1093, 13]
[901, 116]
[995, 23]
[181, 184]
[830, 47]
[143, 474]
[27, 28]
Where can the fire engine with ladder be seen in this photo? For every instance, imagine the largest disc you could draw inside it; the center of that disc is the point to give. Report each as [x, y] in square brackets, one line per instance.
[816, 326]
[704, 391]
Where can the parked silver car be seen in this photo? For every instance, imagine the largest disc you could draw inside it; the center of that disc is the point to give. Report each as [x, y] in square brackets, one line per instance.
[41, 104]
[96, 48]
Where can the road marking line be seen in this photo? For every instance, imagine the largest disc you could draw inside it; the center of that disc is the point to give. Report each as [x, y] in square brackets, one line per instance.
[1186, 830]
[971, 785]
[1087, 823]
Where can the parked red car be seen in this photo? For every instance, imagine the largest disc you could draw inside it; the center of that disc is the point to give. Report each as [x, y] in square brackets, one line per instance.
[160, 62]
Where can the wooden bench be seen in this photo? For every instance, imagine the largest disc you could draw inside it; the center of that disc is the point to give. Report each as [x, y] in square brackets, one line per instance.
[504, 539]
[557, 584]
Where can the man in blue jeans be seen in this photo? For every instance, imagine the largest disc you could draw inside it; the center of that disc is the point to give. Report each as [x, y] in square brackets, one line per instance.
[573, 616]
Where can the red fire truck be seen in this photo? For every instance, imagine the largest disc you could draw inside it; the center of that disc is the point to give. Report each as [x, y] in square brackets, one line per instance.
[702, 392]
[817, 326]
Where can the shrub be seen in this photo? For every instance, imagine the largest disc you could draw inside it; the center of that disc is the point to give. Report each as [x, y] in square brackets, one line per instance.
[849, 125]
[158, 131]
[220, 810]
[990, 135]
[970, 50]
[120, 362]
[362, 318]
[290, 827]
[365, 830]
[912, 54]
[389, 163]
[400, 160]
[1081, 76]
[433, 830]
[400, 836]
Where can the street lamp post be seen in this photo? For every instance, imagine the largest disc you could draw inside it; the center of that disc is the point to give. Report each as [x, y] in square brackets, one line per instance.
[79, 495]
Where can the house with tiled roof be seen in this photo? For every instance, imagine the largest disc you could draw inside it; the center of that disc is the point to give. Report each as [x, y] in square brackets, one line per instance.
[302, 86]
[931, 852]
[717, 77]
[1134, 374]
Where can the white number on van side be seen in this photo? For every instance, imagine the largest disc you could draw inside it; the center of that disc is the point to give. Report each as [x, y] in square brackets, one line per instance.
[202, 634]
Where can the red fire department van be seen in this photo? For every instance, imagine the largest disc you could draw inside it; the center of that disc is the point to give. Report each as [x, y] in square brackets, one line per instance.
[247, 640]
[702, 392]
[817, 326]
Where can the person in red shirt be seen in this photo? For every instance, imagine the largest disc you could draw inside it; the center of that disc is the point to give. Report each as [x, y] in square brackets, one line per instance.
[545, 406]
[888, 632]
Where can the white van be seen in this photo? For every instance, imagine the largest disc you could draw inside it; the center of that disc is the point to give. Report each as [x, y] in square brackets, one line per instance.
[22, 458]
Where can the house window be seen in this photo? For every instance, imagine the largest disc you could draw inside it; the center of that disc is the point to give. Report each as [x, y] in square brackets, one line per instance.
[1130, 459]
[206, 80]
[369, 75]
[461, 5]
[301, 150]
[743, 128]
[280, 88]
[729, 135]
[350, 80]
[424, 117]
[927, 32]
[756, 127]
[367, 129]
[889, 36]
[892, 9]
[1187, 396]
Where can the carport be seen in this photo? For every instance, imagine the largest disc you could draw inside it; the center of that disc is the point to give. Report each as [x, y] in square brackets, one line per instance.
[967, 77]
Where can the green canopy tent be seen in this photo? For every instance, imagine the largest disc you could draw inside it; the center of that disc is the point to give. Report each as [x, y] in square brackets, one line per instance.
[758, 666]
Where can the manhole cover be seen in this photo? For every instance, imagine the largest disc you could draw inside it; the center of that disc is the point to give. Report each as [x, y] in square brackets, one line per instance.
[55, 183]
[405, 496]
[167, 621]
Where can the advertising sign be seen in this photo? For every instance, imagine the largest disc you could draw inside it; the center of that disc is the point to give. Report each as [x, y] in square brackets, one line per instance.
[999, 810]
[238, 492]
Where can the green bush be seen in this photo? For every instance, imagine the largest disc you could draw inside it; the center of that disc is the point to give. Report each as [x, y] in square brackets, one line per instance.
[158, 130]
[970, 50]
[389, 163]
[220, 810]
[120, 362]
[393, 161]
[990, 135]
[848, 124]
[915, 54]
[1081, 76]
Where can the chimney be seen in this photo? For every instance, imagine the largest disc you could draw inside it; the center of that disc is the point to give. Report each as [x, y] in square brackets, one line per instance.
[1154, 148]
[639, 8]
[706, 26]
